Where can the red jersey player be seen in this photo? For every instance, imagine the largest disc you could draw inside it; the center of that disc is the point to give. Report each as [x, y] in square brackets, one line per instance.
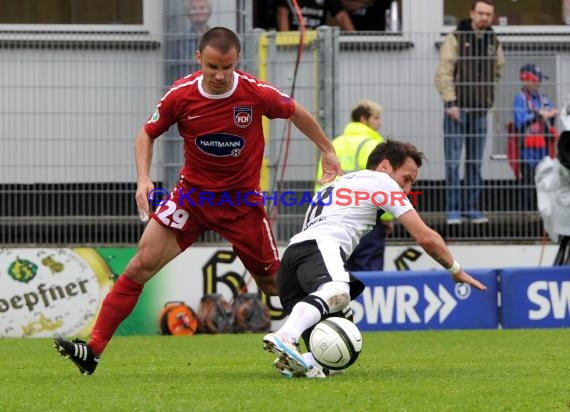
[218, 111]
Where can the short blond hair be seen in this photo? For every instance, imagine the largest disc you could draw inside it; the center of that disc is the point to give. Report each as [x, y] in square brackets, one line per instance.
[188, 4]
[366, 108]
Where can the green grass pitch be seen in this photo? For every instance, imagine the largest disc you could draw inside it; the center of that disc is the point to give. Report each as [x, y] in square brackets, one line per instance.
[495, 370]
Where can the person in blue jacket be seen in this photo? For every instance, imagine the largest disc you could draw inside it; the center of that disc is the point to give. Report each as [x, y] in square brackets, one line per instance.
[534, 114]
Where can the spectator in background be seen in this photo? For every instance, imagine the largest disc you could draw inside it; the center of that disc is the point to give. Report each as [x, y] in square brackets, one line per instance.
[471, 59]
[353, 147]
[367, 15]
[187, 21]
[183, 45]
[534, 117]
[314, 13]
[199, 12]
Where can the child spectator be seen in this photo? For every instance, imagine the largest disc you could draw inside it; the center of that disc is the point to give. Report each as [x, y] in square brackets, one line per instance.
[534, 116]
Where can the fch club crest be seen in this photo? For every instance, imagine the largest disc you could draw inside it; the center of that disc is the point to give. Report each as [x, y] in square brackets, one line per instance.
[243, 116]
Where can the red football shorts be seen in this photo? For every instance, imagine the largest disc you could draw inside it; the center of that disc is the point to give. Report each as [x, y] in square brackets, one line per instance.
[239, 217]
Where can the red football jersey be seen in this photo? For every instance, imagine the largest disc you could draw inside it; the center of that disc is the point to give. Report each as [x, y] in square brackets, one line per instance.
[223, 134]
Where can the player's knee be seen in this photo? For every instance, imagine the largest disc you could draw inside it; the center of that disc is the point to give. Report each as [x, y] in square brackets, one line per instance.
[338, 301]
[134, 266]
[138, 270]
[335, 294]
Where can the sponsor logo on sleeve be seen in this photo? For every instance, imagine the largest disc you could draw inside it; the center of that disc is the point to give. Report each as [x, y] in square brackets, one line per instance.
[155, 116]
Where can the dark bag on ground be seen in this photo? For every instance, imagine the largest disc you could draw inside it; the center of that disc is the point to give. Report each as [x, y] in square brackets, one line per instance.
[251, 314]
[215, 314]
[177, 318]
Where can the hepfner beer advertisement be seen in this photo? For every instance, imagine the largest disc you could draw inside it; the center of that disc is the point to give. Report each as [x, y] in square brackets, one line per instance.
[51, 291]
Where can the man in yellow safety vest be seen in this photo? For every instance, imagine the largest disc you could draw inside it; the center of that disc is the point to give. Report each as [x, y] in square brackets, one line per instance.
[352, 148]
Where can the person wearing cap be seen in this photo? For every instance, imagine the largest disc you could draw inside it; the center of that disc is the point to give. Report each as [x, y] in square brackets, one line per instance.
[534, 115]
[471, 60]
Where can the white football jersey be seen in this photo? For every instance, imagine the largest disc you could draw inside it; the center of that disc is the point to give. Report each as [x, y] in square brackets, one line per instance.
[343, 211]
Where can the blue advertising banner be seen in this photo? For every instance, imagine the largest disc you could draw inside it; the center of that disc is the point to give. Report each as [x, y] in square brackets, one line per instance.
[535, 297]
[425, 300]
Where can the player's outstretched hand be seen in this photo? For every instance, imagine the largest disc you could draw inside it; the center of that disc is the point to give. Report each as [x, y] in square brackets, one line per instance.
[141, 196]
[331, 167]
[464, 277]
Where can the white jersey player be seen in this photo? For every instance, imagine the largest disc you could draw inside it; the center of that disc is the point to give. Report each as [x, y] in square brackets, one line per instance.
[345, 210]
[313, 282]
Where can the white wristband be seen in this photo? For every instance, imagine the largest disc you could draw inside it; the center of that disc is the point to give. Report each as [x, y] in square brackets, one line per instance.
[455, 268]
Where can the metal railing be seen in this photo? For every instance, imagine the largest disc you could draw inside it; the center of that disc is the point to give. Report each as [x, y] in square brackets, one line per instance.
[71, 110]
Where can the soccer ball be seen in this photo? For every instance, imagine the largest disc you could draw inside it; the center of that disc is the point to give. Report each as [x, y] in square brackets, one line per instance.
[335, 343]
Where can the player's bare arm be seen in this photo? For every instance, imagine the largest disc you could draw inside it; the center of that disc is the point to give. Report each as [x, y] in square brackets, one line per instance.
[434, 245]
[282, 18]
[143, 158]
[307, 124]
[344, 21]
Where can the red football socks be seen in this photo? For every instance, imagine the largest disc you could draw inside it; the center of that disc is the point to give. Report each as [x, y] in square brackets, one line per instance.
[117, 305]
